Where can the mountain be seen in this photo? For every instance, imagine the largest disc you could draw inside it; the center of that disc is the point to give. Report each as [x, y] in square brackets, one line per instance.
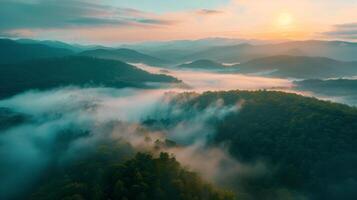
[191, 44]
[307, 145]
[51, 43]
[244, 52]
[299, 67]
[80, 71]
[125, 55]
[333, 87]
[12, 51]
[202, 64]
[59, 44]
[177, 51]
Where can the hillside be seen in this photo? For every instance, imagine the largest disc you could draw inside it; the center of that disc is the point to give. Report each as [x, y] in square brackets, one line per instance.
[141, 177]
[299, 67]
[202, 64]
[308, 144]
[14, 52]
[79, 71]
[125, 55]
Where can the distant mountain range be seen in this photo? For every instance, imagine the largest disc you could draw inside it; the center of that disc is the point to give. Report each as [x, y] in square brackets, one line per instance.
[178, 51]
[125, 55]
[299, 59]
[232, 51]
[299, 67]
[77, 71]
[244, 52]
[222, 50]
[302, 67]
[12, 52]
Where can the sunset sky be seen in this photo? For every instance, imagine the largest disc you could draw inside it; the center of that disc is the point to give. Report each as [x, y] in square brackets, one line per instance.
[124, 21]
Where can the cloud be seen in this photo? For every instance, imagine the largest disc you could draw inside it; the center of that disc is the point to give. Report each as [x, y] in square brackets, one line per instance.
[156, 21]
[43, 14]
[347, 25]
[217, 81]
[69, 122]
[208, 12]
[96, 21]
[343, 31]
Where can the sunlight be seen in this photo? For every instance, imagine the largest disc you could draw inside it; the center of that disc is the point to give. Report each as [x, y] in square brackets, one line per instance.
[285, 20]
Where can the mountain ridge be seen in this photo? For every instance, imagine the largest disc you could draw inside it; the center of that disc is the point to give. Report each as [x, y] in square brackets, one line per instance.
[74, 70]
[125, 55]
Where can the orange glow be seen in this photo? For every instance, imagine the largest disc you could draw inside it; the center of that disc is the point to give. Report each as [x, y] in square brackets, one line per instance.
[285, 20]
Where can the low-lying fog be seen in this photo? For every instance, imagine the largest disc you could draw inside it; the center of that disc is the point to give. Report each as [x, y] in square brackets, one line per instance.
[200, 81]
[28, 148]
[105, 114]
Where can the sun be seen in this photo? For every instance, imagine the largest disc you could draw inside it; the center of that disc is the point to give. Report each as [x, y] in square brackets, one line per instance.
[285, 19]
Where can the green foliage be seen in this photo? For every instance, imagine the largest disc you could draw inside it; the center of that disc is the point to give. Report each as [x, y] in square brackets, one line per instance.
[311, 143]
[103, 176]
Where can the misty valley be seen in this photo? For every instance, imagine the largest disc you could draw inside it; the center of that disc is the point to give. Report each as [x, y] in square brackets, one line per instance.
[216, 118]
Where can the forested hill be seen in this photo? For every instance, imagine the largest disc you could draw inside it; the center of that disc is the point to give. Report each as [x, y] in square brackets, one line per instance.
[310, 144]
[14, 52]
[78, 71]
[106, 174]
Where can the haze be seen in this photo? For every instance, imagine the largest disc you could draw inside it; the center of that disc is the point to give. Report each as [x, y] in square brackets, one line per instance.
[179, 100]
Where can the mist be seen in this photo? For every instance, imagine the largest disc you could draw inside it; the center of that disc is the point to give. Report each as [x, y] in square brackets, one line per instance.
[64, 124]
[201, 81]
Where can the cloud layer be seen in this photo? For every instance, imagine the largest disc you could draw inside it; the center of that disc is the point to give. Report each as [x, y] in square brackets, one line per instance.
[69, 122]
[343, 31]
[110, 21]
[43, 14]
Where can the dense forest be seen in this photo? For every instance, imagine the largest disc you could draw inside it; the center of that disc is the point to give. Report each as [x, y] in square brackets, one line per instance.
[308, 144]
[178, 100]
[111, 172]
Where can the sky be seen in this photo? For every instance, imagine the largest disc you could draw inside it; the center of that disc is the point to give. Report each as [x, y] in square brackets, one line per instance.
[127, 21]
